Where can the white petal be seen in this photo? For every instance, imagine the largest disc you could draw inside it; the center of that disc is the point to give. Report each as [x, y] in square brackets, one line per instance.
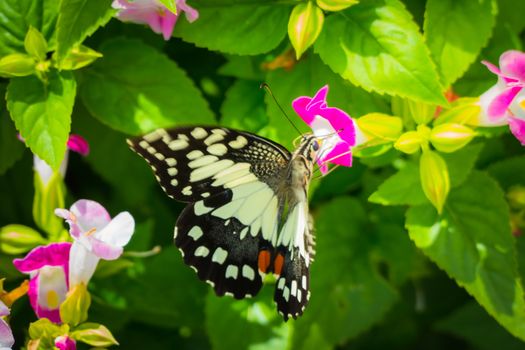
[52, 287]
[4, 310]
[42, 169]
[484, 101]
[82, 265]
[517, 106]
[6, 336]
[119, 231]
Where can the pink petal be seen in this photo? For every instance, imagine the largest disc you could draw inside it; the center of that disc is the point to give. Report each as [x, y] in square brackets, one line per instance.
[512, 64]
[492, 67]
[299, 105]
[90, 214]
[78, 144]
[6, 335]
[105, 251]
[517, 127]
[167, 23]
[32, 293]
[119, 231]
[342, 149]
[65, 343]
[500, 104]
[320, 97]
[341, 123]
[191, 14]
[54, 254]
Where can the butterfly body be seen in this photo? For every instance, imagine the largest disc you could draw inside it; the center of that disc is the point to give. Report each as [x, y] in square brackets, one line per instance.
[248, 211]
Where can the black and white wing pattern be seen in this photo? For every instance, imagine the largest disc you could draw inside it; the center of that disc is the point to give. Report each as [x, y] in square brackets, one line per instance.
[232, 232]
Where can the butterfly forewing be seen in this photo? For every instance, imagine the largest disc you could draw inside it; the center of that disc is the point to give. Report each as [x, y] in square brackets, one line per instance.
[192, 163]
[232, 232]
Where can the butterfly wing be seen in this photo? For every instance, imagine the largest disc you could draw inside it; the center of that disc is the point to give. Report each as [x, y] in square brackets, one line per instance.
[227, 234]
[192, 163]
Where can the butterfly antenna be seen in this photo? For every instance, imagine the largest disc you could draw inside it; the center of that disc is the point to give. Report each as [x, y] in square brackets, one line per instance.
[267, 88]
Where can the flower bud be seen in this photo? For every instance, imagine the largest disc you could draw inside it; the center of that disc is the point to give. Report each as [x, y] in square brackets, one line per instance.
[450, 137]
[434, 178]
[463, 111]
[35, 44]
[16, 65]
[94, 334]
[335, 5]
[380, 126]
[304, 26]
[18, 239]
[79, 57]
[74, 310]
[410, 142]
[420, 112]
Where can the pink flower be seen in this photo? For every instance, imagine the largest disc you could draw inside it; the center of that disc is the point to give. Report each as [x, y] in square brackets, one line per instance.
[96, 236]
[504, 103]
[48, 268]
[154, 13]
[510, 82]
[65, 343]
[332, 126]
[6, 335]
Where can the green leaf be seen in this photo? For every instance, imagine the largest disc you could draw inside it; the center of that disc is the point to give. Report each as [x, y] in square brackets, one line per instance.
[305, 79]
[79, 19]
[472, 242]
[353, 296]
[404, 187]
[42, 113]
[509, 172]
[140, 94]
[18, 15]
[242, 27]
[257, 319]
[11, 149]
[376, 44]
[35, 44]
[243, 67]
[94, 334]
[455, 32]
[472, 323]
[243, 106]
[18, 239]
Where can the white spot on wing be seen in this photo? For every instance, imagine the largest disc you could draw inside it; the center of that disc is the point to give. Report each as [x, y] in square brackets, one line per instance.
[194, 154]
[304, 282]
[199, 133]
[202, 161]
[213, 138]
[200, 208]
[174, 182]
[202, 251]
[248, 272]
[171, 161]
[280, 284]
[172, 171]
[178, 145]
[286, 293]
[232, 271]
[209, 170]
[195, 233]
[217, 149]
[187, 191]
[294, 287]
[239, 142]
[219, 256]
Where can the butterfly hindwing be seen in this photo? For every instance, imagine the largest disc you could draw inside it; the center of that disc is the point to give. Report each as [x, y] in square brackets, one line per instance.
[192, 163]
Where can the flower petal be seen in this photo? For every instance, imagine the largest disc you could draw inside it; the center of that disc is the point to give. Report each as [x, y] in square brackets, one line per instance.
[82, 265]
[6, 335]
[51, 292]
[339, 155]
[191, 14]
[167, 23]
[517, 108]
[512, 64]
[90, 214]
[64, 342]
[517, 127]
[54, 254]
[4, 310]
[119, 231]
[500, 104]
[299, 105]
[106, 251]
[78, 144]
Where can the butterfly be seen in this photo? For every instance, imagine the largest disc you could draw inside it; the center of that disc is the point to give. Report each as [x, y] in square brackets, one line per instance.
[248, 208]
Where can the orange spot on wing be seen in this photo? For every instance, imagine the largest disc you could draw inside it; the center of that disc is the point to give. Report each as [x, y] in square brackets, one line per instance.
[264, 260]
[278, 264]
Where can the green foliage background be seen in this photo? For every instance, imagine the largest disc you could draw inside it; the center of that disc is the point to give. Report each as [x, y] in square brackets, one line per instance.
[389, 272]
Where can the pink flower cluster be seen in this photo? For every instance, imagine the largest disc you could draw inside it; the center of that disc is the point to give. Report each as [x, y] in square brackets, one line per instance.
[58, 267]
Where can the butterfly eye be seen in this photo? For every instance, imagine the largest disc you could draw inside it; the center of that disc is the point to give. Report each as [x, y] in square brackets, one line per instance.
[315, 146]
